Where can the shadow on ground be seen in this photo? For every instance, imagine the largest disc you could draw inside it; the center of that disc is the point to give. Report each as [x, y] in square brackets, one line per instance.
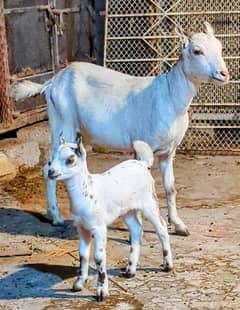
[39, 280]
[19, 222]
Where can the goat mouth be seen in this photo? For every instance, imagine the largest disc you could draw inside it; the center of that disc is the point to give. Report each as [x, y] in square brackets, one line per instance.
[219, 81]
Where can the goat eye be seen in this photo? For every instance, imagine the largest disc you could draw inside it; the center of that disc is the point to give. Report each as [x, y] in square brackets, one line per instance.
[70, 160]
[198, 52]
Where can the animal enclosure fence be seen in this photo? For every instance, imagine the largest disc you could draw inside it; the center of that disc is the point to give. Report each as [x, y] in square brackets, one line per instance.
[140, 40]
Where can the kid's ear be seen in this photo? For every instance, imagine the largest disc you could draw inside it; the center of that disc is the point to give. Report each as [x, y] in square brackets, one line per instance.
[80, 150]
[183, 36]
[61, 138]
[78, 138]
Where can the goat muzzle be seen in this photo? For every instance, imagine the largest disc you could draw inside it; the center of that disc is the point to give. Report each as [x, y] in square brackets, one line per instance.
[52, 174]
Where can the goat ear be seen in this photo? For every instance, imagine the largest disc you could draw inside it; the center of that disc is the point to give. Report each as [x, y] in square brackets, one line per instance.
[184, 39]
[61, 138]
[80, 150]
[209, 29]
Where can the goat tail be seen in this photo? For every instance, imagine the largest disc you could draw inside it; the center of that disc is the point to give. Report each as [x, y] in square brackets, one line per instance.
[143, 152]
[26, 89]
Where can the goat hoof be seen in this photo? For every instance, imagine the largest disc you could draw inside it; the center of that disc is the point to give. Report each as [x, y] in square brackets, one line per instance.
[167, 268]
[129, 275]
[59, 222]
[182, 231]
[56, 221]
[77, 286]
[100, 297]
[102, 292]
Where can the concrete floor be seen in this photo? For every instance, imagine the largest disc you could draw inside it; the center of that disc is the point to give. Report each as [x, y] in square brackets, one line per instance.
[39, 262]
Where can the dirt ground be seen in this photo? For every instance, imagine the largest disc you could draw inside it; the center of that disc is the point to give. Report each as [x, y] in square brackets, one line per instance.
[39, 262]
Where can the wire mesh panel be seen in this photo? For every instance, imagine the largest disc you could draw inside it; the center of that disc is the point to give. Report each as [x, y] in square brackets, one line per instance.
[140, 40]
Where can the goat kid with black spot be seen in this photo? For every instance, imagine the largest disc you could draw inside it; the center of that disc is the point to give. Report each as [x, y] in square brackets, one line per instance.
[99, 199]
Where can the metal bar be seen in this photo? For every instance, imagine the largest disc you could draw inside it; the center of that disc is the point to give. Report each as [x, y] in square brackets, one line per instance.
[213, 127]
[216, 151]
[152, 47]
[141, 37]
[226, 35]
[138, 60]
[172, 14]
[105, 35]
[15, 78]
[219, 104]
[39, 7]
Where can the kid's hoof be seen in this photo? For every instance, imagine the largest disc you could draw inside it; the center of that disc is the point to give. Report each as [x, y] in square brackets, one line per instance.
[102, 293]
[129, 275]
[100, 297]
[167, 268]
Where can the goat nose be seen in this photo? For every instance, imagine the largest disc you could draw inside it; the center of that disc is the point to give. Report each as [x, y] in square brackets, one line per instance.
[51, 172]
[225, 74]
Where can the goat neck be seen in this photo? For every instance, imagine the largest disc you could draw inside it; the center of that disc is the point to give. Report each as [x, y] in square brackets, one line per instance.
[181, 88]
[79, 184]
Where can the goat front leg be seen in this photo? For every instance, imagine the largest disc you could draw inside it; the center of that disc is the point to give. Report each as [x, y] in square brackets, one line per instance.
[53, 213]
[166, 167]
[100, 237]
[134, 225]
[84, 252]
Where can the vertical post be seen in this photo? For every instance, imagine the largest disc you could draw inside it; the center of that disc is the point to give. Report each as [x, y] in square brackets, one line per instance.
[105, 35]
[6, 104]
[54, 41]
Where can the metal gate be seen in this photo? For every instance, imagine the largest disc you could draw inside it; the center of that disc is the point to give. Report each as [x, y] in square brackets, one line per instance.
[37, 38]
[140, 40]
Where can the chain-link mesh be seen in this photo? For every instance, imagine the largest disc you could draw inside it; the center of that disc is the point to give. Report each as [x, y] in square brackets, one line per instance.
[140, 40]
[5, 101]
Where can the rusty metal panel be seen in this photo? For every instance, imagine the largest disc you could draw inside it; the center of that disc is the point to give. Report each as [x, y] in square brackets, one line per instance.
[29, 47]
[29, 43]
[38, 38]
[10, 4]
[76, 41]
[140, 40]
[5, 100]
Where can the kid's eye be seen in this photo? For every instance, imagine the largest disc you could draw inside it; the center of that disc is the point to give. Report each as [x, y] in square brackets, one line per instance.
[70, 160]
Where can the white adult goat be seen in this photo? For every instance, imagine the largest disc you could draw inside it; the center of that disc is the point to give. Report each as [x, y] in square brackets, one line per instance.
[115, 109]
[99, 199]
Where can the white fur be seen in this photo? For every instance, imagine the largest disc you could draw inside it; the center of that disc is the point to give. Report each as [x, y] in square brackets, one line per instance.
[99, 199]
[115, 109]
[143, 152]
[27, 89]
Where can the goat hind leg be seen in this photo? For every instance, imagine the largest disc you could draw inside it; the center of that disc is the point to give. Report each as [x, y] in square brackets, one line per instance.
[151, 212]
[166, 167]
[133, 223]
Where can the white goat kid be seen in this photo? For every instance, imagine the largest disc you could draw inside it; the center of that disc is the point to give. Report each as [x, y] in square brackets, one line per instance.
[99, 199]
[114, 109]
